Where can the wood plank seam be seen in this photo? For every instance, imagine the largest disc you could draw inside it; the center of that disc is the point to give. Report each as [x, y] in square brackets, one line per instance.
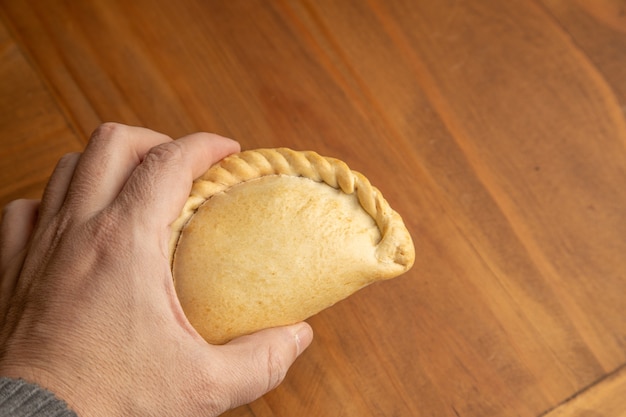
[590, 389]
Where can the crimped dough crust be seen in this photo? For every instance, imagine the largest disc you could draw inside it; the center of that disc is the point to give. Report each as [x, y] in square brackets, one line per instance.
[272, 236]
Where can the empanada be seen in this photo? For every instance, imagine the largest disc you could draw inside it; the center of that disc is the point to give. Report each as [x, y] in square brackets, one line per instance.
[270, 237]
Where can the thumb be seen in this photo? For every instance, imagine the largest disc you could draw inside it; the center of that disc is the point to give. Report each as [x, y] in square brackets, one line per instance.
[259, 362]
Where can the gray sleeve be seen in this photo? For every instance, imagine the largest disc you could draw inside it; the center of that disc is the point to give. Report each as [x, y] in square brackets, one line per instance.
[19, 398]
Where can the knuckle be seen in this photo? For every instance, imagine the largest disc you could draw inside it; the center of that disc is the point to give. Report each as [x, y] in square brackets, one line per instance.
[217, 397]
[244, 381]
[12, 206]
[8, 208]
[70, 156]
[165, 153]
[107, 132]
[17, 206]
[68, 160]
[275, 369]
[108, 129]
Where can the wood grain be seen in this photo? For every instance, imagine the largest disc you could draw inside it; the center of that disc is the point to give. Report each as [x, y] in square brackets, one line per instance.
[495, 128]
[598, 28]
[603, 399]
[35, 133]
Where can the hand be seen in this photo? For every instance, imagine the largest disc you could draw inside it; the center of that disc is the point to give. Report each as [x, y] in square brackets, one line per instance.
[87, 304]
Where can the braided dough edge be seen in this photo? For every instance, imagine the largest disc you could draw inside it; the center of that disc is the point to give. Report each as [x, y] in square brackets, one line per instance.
[395, 247]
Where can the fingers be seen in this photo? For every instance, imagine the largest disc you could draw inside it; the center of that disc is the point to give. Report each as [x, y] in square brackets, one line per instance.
[259, 362]
[112, 154]
[58, 185]
[18, 220]
[160, 185]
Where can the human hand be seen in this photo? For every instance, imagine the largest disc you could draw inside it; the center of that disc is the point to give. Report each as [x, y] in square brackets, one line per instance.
[87, 304]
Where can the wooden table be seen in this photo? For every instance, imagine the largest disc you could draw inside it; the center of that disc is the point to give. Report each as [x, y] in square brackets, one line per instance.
[496, 128]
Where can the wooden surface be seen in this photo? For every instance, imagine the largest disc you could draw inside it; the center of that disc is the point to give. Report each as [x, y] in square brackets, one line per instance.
[604, 398]
[496, 128]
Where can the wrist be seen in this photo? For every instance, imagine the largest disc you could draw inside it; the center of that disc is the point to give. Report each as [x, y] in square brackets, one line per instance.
[20, 398]
[76, 397]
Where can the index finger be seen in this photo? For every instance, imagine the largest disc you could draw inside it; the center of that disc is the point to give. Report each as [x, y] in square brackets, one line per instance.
[112, 154]
[158, 188]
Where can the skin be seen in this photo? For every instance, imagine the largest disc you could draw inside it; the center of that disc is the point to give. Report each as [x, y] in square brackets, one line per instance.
[87, 305]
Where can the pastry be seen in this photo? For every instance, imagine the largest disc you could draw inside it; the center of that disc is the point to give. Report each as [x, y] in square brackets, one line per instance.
[270, 237]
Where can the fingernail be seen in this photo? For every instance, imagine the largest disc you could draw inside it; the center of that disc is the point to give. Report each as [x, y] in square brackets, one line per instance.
[304, 337]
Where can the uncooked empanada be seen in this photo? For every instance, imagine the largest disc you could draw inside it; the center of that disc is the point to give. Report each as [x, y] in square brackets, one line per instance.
[270, 237]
